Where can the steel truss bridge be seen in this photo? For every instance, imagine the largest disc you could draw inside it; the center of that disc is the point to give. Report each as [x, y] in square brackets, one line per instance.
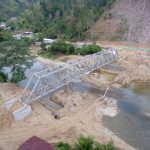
[52, 79]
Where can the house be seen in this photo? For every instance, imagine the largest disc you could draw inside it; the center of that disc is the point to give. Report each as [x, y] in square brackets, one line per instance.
[37, 43]
[48, 41]
[2, 25]
[13, 18]
[17, 36]
[79, 44]
[35, 143]
[28, 34]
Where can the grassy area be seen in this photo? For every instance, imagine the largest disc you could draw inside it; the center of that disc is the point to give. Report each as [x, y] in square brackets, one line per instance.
[86, 143]
[45, 54]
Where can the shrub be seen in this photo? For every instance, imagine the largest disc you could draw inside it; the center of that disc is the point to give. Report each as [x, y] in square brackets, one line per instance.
[18, 75]
[108, 146]
[43, 46]
[62, 47]
[3, 77]
[63, 146]
[86, 143]
[88, 49]
[46, 54]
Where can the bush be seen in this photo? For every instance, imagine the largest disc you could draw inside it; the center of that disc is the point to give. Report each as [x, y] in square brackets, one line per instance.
[46, 54]
[3, 77]
[18, 75]
[43, 46]
[86, 143]
[62, 47]
[63, 146]
[88, 49]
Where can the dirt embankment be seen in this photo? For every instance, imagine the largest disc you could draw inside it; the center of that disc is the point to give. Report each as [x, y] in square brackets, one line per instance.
[134, 61]
[126, 20]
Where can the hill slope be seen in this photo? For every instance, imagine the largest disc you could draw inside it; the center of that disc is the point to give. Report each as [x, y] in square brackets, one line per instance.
[12, 8]
[68, 19]
[127, 20]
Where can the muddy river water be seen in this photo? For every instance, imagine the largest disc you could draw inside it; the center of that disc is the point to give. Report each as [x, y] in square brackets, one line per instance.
[132, 123]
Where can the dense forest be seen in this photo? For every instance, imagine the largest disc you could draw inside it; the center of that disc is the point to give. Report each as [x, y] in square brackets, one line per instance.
[65, 19]
[12, 8]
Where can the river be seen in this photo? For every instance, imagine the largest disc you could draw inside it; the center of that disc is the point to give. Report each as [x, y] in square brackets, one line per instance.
[132, 124]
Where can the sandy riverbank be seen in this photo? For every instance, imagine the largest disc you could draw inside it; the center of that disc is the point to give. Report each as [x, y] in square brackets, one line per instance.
[82, 114]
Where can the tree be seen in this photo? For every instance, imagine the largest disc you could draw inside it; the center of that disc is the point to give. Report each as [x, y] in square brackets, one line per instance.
[14, 54]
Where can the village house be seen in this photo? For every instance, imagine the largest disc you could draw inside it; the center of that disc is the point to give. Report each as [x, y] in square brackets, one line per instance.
[17, 36]
[2, 25]
[48, 41]
[28, 34]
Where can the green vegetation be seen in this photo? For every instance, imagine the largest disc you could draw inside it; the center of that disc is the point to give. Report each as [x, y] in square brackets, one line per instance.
[18, 75]
[88, 49]
[14, 54]
[11, 8]
[61, 47]
[3, 77]
[64, 19]
[86, 143]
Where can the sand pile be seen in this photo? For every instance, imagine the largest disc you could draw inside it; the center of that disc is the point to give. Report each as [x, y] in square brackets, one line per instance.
[6, 118]
[8, 91]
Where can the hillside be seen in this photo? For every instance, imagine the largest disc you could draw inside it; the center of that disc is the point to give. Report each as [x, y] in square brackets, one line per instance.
[127, 20]
[68, 19]
[112, 20]
[12, 8]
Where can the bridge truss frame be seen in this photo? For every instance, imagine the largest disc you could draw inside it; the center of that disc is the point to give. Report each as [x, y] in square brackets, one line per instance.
[52, 79]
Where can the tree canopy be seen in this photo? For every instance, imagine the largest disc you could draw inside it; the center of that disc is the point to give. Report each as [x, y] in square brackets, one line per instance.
[67, 19]
[14, 54]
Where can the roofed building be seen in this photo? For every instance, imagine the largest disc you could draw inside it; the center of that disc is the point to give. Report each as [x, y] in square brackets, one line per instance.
[35, 143]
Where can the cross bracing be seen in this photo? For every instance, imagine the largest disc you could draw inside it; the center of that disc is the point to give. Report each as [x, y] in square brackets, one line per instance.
[52, 79]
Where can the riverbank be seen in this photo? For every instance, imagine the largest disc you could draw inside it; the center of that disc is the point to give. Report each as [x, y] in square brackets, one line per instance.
[82, 114]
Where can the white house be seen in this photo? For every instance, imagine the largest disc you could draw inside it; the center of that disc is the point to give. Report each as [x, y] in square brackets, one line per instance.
[48, 41]
[17, 36]
[79, 44]
[28, 34]
[3, 25]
